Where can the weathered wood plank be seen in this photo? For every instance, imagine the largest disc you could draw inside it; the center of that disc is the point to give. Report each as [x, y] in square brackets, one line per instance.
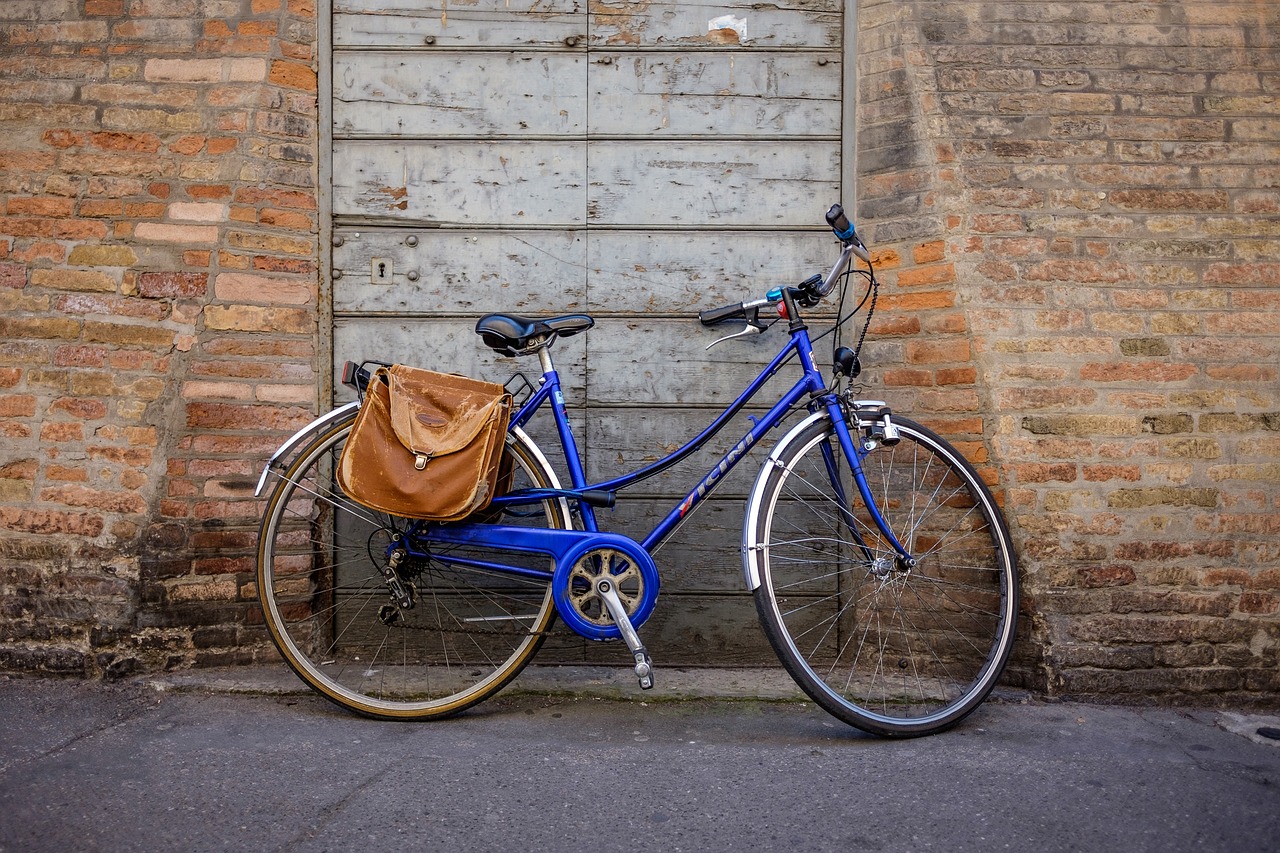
[490, 95]
[472, 94]
[483, 23]
[724, 183]
[672, 272]
[698, 93]
[473, 273]
[808, 23]
[497, 183]
[546, 272]
[564, 24]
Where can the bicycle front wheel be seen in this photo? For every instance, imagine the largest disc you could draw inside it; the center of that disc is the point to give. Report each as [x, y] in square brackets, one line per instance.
[330, 611]
[890, 649]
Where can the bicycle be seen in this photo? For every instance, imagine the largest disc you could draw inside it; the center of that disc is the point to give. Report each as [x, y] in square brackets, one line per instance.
[882, 571]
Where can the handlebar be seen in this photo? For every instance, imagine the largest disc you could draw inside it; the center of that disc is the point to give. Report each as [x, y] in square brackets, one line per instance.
[723, 314]
[810, 291]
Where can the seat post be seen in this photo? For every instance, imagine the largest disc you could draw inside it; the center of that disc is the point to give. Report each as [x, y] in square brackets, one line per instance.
[544, 358]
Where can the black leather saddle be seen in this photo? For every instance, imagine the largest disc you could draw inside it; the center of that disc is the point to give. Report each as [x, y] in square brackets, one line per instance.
[510, 334]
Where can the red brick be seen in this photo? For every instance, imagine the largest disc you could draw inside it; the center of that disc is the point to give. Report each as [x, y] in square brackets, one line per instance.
[1093, 577]
[113, 141]
[66, 474]
[61, 431]
[80, 356]
[173, 284]
[937, 351]
[1042, 472]
[50, 521]
[80, 496]
[939, 274]
[17, 406]
[1259, 602]
[1146, 371]
[899, 377]
[957, 376]
[231, 416]
[1106, 473]
[24, 469]
[276, 197]
[293, 75]
[1267, 274]
[40, 206]
[86, 409]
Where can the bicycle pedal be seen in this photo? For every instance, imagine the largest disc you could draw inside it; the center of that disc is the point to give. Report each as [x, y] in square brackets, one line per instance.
[644, 670]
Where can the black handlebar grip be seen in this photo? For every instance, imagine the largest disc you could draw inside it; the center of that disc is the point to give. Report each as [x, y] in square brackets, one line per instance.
[839, 222]
[719, 315]
[836, 218]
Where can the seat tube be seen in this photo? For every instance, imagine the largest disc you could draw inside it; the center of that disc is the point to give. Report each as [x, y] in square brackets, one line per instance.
[560, 412]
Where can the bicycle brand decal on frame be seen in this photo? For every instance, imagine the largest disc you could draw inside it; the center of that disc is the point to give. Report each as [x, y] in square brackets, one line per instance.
[709, 482]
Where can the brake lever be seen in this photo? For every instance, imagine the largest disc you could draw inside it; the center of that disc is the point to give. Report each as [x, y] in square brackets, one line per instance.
[753, 327]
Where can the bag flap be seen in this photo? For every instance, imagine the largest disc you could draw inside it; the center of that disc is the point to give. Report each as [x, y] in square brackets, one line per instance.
[438, 413]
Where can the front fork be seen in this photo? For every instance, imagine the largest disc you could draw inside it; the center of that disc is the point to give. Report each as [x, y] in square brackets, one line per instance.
[875, 428]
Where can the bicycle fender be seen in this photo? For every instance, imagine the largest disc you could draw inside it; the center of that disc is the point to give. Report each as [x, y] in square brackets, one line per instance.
[299, 437]
[750, 544]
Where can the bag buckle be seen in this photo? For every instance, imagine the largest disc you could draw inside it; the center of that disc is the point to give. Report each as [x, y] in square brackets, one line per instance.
[420, 460]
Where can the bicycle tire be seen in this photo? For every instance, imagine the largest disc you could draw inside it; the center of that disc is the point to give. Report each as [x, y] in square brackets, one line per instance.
[329, 611]
[893, 651]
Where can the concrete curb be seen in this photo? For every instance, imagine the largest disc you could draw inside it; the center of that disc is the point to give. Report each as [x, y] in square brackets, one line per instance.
[604, 682]
[769, 684]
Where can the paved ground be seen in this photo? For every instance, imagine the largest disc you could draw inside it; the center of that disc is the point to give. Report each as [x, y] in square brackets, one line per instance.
[581, 760]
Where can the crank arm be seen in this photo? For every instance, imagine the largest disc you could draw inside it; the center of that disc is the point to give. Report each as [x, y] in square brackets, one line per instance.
[644, 664]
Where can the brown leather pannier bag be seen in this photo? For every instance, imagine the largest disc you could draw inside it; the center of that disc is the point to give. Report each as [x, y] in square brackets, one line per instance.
[426, 444]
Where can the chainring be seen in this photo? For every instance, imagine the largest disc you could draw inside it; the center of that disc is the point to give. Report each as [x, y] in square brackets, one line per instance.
[578, 600]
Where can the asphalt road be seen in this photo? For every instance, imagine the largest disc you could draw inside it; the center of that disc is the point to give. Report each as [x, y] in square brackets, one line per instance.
[124, 768]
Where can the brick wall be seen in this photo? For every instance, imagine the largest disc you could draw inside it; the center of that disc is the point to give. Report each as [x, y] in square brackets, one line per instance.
[157, 318]
[1103, 179]
[1076, 208]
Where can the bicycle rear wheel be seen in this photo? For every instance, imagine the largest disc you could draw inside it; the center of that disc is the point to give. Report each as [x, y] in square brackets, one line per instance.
[891, 650]
[330, 612]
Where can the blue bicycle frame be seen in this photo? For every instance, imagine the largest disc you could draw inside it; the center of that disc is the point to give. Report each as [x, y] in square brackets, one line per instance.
[559, 543]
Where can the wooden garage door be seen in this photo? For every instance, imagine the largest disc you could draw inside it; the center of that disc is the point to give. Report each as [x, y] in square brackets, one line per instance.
[635, 161]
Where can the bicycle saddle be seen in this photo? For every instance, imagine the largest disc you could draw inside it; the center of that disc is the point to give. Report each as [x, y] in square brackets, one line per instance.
[510, 334]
